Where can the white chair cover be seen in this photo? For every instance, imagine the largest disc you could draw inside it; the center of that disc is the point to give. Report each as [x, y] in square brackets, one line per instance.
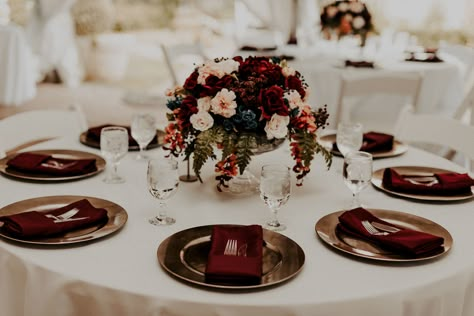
[17, 67]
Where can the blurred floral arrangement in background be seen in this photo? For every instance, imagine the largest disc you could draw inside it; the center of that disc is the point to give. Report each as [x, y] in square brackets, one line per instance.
[232, 104]
[345, 17]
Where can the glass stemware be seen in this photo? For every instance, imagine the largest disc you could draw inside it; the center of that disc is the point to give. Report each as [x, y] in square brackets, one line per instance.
[349, 137]
[357, 173]
[275, 190]
[143, 129]
[163, 180]
[113, 147]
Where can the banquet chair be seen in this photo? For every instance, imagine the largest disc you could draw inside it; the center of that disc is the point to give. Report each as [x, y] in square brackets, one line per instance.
[397, 90]
[436, 130]
[32, 125]
[180, 57]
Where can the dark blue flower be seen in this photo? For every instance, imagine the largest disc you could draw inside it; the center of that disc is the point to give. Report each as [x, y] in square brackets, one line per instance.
[228, 125]
[173, 104]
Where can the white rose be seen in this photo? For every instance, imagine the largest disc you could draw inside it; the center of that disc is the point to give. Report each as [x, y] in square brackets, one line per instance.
[277, 127]
[204, 104]
[356, 7]
[228, 66]
[201, 121]
[343, 6]
[358, 22]
[224, 103]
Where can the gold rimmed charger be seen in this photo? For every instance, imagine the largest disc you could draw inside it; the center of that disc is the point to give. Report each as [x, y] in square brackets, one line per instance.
[421, 171]
[326, 230]
[96, 144]
[56, 153]
[398, 147]
[117, 217]
[184, 255]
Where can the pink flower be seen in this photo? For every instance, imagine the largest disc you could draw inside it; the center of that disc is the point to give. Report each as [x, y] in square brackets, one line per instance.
[224, 103]
[294, 99]
[201, 121]
[204, 104]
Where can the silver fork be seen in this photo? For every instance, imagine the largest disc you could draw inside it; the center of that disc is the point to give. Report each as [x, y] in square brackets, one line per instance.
[64, 216]
[372, 230]
[230, 248]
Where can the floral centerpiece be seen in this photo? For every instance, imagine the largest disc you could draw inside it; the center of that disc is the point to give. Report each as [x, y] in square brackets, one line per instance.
[346, 17]
[231, 104]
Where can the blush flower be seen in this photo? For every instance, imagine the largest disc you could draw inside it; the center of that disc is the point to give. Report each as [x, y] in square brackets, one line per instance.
[224, 103]
[277, 127]
[201, 121]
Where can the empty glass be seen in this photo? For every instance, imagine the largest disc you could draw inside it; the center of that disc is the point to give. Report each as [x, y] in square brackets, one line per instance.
[349, 137]
[113, 147]
[357, 173]
[275, 190]
[143, 130]
[163, 180]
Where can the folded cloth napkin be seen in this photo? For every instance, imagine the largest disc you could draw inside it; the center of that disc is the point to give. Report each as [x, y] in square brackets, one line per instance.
[374, 142]
[244, 268]
[255, 49]
[359, 64]
[404, 241]
[449, 183]
[430, 58]
[34, 224]
[47, 164]
[94, 134]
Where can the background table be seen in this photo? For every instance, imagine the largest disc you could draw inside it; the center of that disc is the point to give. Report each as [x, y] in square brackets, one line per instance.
[120, 274]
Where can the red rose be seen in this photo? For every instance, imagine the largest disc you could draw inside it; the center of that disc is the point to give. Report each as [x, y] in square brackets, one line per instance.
[191, 81]
[214, 85]
[271, 102]
[183, 113]
[294, 83]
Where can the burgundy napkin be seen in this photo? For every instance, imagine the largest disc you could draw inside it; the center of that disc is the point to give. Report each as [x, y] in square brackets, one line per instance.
[94, 134]
[374, 142]
[449, 183]
[255, 49]
[243, 269]
[35, 224]
[405, 241]
[47, 164]
[359, 64]
[431, 58]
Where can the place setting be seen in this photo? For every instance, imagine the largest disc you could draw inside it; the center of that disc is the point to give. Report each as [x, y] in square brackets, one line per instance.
[379, 234]
[51, 165]
[350, 136]
[142, 134]
[227, 256]
[60, 220]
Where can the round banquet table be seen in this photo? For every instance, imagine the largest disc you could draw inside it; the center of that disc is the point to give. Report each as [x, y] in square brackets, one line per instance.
[120, 274]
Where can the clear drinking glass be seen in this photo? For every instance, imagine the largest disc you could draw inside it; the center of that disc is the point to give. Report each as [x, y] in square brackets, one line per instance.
[143, 130]
[113, 147]
[357, 172]
[349, 137]
[163, 180]
[275, 190]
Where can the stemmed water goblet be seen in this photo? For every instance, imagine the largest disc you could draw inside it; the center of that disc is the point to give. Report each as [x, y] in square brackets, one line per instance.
[163, 180]
[275, 190]
[357, 173]
[349, 137]
[143, 130]
[113, 147]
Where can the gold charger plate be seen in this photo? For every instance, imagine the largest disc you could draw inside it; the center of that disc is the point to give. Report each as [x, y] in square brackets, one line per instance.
[184, 255]
[326, 230]
[398, 148]
[117, 217]
[56, 153]
[378, 175]
[96, 144]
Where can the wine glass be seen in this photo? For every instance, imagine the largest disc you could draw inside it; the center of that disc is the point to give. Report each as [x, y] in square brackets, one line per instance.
[357, 172]
[143, 130]
[163, 180]
[349, 137]
[275, 189]
[113, 146]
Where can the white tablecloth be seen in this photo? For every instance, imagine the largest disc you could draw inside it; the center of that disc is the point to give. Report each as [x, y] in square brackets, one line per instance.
[120, 275]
